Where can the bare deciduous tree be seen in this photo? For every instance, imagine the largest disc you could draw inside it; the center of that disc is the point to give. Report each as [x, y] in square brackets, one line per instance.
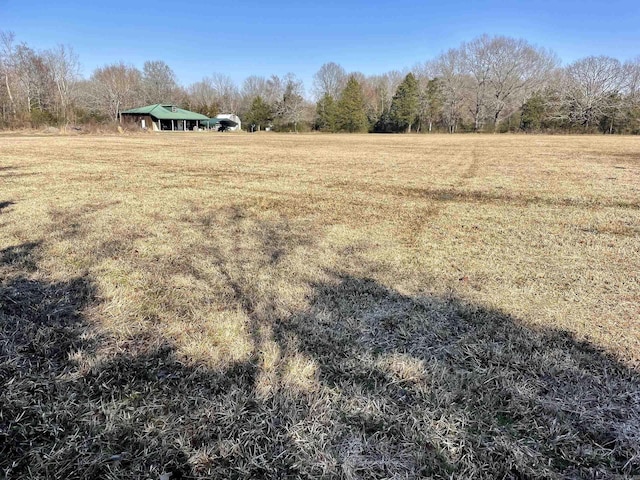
[503, 72]
[227, 94]
[631, 75]
[449, 68]
[253, 87]
[113, 88]
[330, 79]
[291, 107]
[476, 59]
[274, 89]
[593, 84]
[203, 97]
[158, 83]
[26, 71]
[7, 52]
[517, 69]
[35, 90]
[430, 96]
[385, 86]
[64, 67]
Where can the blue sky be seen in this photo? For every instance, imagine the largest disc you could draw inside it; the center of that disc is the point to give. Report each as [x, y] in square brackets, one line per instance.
[247, 37]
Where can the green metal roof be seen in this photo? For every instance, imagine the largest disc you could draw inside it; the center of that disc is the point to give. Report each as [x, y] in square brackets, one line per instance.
[210, 122]
[165, 112]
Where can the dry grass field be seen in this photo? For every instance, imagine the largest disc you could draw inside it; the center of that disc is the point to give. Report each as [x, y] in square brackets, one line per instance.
[319, 306]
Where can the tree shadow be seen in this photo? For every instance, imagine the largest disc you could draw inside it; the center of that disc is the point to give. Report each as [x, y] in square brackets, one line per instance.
[455, 195]
[368, 383]
[77, 404]
[435, 386]
[12, 174]
[457, 389]
[40, 325]
[20, 257]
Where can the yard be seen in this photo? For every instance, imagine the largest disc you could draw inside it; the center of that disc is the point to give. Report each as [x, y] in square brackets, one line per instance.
[319, 306]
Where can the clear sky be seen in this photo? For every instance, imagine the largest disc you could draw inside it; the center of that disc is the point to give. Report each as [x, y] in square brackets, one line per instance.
[245, 37]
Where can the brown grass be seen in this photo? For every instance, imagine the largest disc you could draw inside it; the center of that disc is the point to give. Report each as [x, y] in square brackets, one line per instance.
[250, 306]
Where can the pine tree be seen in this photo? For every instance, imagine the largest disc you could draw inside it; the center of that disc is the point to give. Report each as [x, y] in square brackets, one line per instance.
[351, 113]
[533, 113]
[326, 114]
[431, 104]
[259, 115]
[405, 104]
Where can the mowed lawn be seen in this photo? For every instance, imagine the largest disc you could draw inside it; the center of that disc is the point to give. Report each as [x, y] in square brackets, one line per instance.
[319, 306]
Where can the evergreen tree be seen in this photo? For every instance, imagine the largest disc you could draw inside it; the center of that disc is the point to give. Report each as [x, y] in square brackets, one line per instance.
[351, 115]
[259, 114]
[405, 104]
[326, 114]
[383, 123]
[434, 102]
[533, 113]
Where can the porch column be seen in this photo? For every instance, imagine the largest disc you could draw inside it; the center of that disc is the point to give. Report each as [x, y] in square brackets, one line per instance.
[172, 129]
[184, 125]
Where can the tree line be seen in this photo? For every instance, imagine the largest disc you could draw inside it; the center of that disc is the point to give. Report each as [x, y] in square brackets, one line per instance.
[489, 84]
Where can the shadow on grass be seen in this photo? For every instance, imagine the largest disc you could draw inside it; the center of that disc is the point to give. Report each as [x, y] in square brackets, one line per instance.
[134, 412]
[4, 205]
[434, 386]
[20, 256]
[451, 194]
[404, 387]
[12, 174]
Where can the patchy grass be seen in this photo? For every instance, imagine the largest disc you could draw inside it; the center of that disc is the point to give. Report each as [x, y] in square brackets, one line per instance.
[247, 306]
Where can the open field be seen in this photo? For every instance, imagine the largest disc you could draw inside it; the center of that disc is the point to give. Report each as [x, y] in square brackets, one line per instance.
[316, 306]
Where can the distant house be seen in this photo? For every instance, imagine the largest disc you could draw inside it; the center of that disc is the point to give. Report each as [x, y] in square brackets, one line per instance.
[160, 117]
